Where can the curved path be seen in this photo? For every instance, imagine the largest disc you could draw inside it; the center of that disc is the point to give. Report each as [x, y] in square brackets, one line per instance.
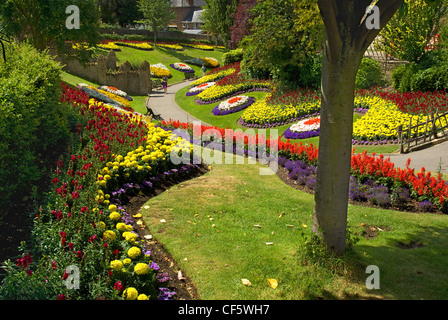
[166, 106]
[434, 158]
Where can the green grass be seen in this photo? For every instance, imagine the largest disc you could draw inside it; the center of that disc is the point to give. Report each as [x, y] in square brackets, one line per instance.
[218, 226]
[167, 57]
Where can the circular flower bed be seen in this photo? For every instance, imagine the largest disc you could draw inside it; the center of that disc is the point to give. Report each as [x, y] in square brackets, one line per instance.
[303, 129]
[232, 105]
[181, 67]
[199, 88]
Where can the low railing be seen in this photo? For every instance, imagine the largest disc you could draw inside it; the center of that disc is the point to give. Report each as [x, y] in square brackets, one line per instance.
[410, 137]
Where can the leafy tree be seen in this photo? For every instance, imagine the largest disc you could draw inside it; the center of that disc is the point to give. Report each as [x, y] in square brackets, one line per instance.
[284, 34]
[409, 31]
[43, 22]
[347, 39]
[218, 18]
[242, 24]
[156, 14]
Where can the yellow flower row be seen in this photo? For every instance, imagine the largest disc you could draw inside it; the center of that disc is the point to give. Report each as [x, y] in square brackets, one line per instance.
[199, 46]
[262, 113]
[160, 72]
[218, 92]
[115, 97]
[141, 45]
[383, 118]
[213, 77]
[108, 46]
[210, 62]
[170, 46]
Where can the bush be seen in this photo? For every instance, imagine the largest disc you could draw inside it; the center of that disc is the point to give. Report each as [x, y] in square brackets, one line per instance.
[33, 124]
[233, 56]
[311, 72]
[369, 74]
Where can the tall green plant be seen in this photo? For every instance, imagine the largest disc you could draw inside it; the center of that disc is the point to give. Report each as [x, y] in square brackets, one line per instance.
[156, 14]
[410, 30]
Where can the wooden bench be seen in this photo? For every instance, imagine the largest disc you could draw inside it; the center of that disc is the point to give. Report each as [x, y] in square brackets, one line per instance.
[150, 112]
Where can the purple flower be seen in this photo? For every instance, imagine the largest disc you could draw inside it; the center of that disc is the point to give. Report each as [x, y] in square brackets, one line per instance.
[154, 266]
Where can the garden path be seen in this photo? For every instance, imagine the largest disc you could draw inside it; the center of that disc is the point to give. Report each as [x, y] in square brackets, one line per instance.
[434, 158]
[166, 106]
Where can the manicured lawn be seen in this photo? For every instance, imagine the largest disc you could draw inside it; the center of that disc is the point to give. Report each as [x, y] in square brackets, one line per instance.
[233, 223]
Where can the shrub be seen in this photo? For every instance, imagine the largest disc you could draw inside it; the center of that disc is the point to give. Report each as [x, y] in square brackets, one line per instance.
[233, 56]
[369, 74]
[33, 124]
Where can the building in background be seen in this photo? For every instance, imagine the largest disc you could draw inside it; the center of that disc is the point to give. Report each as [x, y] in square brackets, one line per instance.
[188, 15]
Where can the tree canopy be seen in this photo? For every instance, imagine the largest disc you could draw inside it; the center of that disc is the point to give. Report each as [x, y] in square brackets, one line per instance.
[43, 22]
[156, 14]
[218, 18]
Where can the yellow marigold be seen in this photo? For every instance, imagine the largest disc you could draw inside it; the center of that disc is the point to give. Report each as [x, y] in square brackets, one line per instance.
[130, 293]
[115, 216]
[141, 268]
[116, 265]
[131, 237]
[142, 297]
[134, 252]
[121, 226]
[127, 261]
[109, 235]
[101, 225]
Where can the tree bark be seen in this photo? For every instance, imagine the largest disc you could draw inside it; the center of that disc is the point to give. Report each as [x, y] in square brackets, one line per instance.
[335, 143]
[347, 38]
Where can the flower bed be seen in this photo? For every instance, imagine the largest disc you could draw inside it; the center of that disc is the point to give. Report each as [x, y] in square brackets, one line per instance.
[182, 67]
[84, 225]
[219, 92]
[199, 88]
[159, 70]
[427, 190]
[199, 46]
[233, 105]
[213, 76]
[303, 129]
[136, 45]
[176, 47]
[116, 91]
[106, 96]
[109, 46]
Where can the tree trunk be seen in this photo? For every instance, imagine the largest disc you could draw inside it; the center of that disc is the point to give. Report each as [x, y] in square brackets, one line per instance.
[335, 143]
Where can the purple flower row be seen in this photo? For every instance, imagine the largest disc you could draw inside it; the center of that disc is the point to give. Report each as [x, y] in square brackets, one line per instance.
[288, 134]
[217, 112]
[189, 93]
[374, 143]
[275, 124]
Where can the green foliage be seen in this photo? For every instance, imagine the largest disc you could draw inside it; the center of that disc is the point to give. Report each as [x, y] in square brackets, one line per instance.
[232, 56]
[122, 12]
[218, 18]
[32, 121]
[156, 14]
[409, 31]
[43, 22]
[369, 74]
[278, 46]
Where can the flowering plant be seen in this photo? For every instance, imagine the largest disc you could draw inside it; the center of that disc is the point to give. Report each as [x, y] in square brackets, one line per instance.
[303, 129]
[233, 105]
[159, 70]
[199, 88]
[182, 67]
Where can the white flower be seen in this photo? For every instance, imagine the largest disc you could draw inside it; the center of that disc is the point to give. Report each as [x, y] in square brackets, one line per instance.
[181, 66]
[114, 91]
[233, 102]
[306, 125]
[202, 87]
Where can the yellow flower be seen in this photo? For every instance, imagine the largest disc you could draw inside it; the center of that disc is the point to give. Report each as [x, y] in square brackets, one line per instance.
[127, 261]
[115, 216]
[134, 252]
[141, 268]
[109, 235]
[130, 293]
[101, 225]
[121, 226]
[116, 265]
[142, 297]
[131, 237]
